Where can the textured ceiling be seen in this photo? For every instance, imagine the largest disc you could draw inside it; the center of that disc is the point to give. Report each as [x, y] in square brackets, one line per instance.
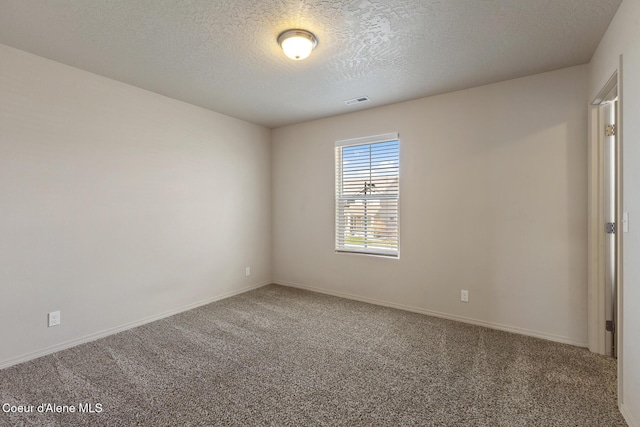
[223, 55]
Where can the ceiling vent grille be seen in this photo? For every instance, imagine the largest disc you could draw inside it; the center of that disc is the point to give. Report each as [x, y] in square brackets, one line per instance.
[358, 100]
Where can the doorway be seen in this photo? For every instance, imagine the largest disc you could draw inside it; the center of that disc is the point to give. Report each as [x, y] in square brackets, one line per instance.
[606, 227]
[609, 112]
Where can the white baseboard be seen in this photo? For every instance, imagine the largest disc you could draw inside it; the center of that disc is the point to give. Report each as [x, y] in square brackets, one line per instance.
[477, 322]
[627, 416]
[92, 337]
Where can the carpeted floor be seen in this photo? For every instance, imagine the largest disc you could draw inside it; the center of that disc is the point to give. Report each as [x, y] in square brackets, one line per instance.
[286, 357]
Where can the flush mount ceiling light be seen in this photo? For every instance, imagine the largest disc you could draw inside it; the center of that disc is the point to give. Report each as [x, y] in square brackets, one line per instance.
[297, 44]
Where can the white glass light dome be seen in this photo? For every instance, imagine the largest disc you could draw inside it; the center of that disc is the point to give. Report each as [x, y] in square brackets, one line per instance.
[297, 44]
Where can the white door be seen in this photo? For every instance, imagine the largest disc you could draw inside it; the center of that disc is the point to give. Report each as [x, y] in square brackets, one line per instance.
[610, 228]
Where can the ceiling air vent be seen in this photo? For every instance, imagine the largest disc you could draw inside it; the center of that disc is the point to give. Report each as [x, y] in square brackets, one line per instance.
[359, 100]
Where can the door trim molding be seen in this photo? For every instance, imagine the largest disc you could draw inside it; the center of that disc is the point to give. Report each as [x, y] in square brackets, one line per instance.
[596, 243]
[596, 279]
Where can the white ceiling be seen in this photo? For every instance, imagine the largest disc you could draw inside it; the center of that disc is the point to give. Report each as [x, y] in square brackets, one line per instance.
[223, 55]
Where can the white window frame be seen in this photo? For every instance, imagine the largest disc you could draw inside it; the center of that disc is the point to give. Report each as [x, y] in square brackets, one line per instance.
[341, 226]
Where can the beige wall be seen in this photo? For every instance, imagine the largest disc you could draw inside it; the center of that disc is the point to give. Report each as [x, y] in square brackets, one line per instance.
[493, 200]
[118, 205]
[623, 38]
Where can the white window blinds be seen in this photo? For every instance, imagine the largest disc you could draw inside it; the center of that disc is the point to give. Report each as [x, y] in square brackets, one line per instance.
[367, 195]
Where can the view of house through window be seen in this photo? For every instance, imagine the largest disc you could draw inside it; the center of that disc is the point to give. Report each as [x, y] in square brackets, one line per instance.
[367, 195]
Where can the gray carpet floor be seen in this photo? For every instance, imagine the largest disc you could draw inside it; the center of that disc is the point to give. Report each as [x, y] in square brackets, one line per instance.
[285, 357]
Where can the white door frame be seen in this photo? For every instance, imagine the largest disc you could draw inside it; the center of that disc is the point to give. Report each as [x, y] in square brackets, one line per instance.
[596, 245]
[596, 238]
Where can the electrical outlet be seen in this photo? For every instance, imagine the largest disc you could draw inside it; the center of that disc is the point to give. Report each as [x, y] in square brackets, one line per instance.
[54, 318]
[247, 271]
[464, 295]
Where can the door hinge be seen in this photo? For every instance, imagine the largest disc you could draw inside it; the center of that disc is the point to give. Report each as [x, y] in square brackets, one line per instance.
[610, 326]
[610, 130]
[610, 228]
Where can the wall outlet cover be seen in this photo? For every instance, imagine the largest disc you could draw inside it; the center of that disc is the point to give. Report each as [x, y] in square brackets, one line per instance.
[54, 318]
[464, 295]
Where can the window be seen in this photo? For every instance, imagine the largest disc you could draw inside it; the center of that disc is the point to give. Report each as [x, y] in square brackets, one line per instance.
[367, 195]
